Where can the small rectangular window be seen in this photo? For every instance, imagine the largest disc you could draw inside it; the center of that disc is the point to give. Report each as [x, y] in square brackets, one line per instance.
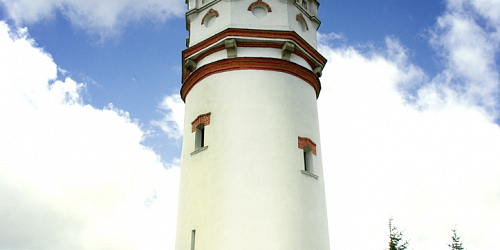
[200, 136]
[308, 164]
[193, 238]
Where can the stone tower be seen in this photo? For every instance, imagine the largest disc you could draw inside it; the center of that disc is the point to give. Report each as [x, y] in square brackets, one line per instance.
[251, 169]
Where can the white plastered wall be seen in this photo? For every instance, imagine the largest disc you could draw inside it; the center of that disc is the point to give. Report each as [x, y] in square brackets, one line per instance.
[235, 14]
[246, 190]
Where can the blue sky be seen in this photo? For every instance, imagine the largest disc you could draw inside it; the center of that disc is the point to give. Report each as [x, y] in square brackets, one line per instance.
[409, 109]
[136, 65]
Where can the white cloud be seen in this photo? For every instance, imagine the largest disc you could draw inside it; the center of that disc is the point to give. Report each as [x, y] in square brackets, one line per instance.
[72, 176]
[467, 36]
[102, 17]
[172, 108]
[427, 157]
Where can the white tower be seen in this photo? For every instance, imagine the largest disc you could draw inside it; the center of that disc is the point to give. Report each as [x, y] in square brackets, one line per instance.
[251, 170]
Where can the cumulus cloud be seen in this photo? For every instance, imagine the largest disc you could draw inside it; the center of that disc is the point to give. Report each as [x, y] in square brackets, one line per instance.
[467, 38]
[172, 108]
[96, 16]
[73, 176]
[421, 149]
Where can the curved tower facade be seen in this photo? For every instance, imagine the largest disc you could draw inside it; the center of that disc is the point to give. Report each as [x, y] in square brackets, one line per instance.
[251, 170]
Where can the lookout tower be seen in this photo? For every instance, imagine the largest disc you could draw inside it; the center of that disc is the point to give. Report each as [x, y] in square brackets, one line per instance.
[251, 169]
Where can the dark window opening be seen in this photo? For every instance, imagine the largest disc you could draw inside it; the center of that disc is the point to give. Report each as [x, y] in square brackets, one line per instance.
[193, 238]
[200, 136]
[308, 166]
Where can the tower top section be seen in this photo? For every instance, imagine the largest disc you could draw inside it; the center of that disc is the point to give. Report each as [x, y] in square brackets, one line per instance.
[206, 18]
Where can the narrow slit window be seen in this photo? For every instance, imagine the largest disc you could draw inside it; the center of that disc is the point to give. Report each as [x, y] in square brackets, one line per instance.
[304, 4]
[200, 136]
[308, 165]
[193, 239]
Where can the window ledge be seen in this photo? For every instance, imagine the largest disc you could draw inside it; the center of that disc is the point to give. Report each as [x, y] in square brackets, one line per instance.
[199, 150]
[310, 174]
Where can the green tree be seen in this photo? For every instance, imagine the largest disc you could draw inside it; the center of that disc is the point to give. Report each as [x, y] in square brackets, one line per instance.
[456, 243]
[396, 238]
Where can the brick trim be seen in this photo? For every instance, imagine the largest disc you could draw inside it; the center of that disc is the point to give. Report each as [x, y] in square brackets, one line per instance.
[204, 118]
[271, 34]
[250, 63]
[276, 46]
[211, 11]
[308, 60]
[301, 17]
[304, 141]
[259, 2]
[260, 45]
[250, 45]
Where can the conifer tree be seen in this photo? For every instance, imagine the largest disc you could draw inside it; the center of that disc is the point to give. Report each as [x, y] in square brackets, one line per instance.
[396, 237]
[456, 243]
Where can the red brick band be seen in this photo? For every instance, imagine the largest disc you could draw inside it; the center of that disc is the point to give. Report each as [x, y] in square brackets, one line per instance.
[259, 2]
[211, 11]
[249, 45]
[260, 45]
[204, 118]
[300, 17]
[308, 60]
[211, 51]
[250, 63]
[270, 34]
[306, 142]
[275, 46]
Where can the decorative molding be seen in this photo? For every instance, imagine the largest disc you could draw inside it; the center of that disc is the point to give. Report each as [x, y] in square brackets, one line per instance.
[305, 12]
[304, 141]
[287, 50]
[202, 7]
[260, 45]
[257, 45]
[306, 58]
[190, 65]
[259, 2]
[204, 118]
[251, 63]
[318, 71]
[209, 13]
[269, 34]
[299, 18]
[231, 48]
